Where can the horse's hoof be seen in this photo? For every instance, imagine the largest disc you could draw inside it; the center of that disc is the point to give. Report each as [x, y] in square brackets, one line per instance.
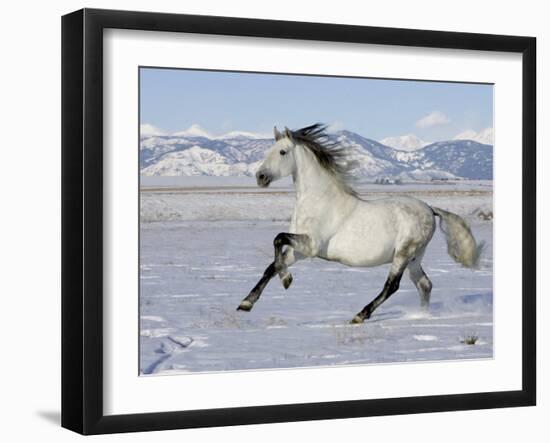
[245, 306]
[287, 280]
[357, 320]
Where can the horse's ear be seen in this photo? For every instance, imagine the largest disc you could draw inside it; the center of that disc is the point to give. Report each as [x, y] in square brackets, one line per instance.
[288, 133]
[277, 134]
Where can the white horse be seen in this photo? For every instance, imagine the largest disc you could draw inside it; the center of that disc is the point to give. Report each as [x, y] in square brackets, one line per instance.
[331, 222]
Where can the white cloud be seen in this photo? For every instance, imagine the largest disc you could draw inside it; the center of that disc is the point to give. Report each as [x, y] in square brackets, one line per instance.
[484, 136]
[408, 142]
[195, 130]
[434, 118]
[147, 129]
[335, 127]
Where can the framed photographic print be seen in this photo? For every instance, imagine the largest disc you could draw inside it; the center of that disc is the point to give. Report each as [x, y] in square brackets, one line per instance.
[269, 221]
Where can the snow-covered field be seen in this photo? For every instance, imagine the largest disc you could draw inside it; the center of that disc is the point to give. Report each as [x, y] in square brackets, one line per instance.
[204, 247]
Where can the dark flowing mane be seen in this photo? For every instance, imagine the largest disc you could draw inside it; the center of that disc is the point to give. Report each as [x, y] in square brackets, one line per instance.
[331, 155]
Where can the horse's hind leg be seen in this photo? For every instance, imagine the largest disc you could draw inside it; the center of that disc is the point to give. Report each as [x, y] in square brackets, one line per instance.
[421, 281]
[398, 266]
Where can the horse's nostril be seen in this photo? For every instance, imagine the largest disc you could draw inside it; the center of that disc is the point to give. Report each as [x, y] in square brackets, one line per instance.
[261, 176]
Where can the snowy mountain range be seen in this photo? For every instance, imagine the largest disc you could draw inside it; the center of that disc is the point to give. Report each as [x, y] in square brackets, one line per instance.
[409, 142]
[195, 152]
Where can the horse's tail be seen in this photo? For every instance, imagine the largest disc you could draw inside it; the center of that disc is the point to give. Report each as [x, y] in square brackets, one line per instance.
[461, 244]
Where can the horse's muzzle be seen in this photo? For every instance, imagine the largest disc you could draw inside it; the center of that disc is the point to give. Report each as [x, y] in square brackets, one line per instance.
[263, 179]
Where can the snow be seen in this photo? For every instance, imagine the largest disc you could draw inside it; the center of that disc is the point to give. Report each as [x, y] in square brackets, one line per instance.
[194, 130]
[409, 142]
[146, 129]
[196, 161]
[243, 134]
[203, 249]
[485, 136]
[427, 174]
[243, 201]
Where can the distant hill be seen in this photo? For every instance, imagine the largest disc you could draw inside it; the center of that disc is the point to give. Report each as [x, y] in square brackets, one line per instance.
[240, 153]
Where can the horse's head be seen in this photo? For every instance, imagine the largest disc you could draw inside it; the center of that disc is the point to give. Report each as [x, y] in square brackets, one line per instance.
[279, 161]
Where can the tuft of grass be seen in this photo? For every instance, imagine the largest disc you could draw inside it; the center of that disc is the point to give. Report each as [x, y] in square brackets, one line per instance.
[469, 340]
[350, 335]
[218, 317]
[275, 321]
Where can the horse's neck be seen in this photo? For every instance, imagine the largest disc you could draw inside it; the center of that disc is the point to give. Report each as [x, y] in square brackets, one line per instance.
[315, 185]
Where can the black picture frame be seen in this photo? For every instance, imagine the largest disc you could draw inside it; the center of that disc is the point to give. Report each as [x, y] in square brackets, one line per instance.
[82, 219]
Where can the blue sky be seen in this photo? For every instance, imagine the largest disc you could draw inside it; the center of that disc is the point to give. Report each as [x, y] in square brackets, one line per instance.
[172, 100]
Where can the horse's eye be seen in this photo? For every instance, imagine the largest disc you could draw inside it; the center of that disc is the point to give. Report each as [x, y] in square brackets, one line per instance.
[282, 152]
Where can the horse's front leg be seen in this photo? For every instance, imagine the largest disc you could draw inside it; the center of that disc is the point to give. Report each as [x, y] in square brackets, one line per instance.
[254, 295]
[297, 243]
[300, 243]
[289, 258]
